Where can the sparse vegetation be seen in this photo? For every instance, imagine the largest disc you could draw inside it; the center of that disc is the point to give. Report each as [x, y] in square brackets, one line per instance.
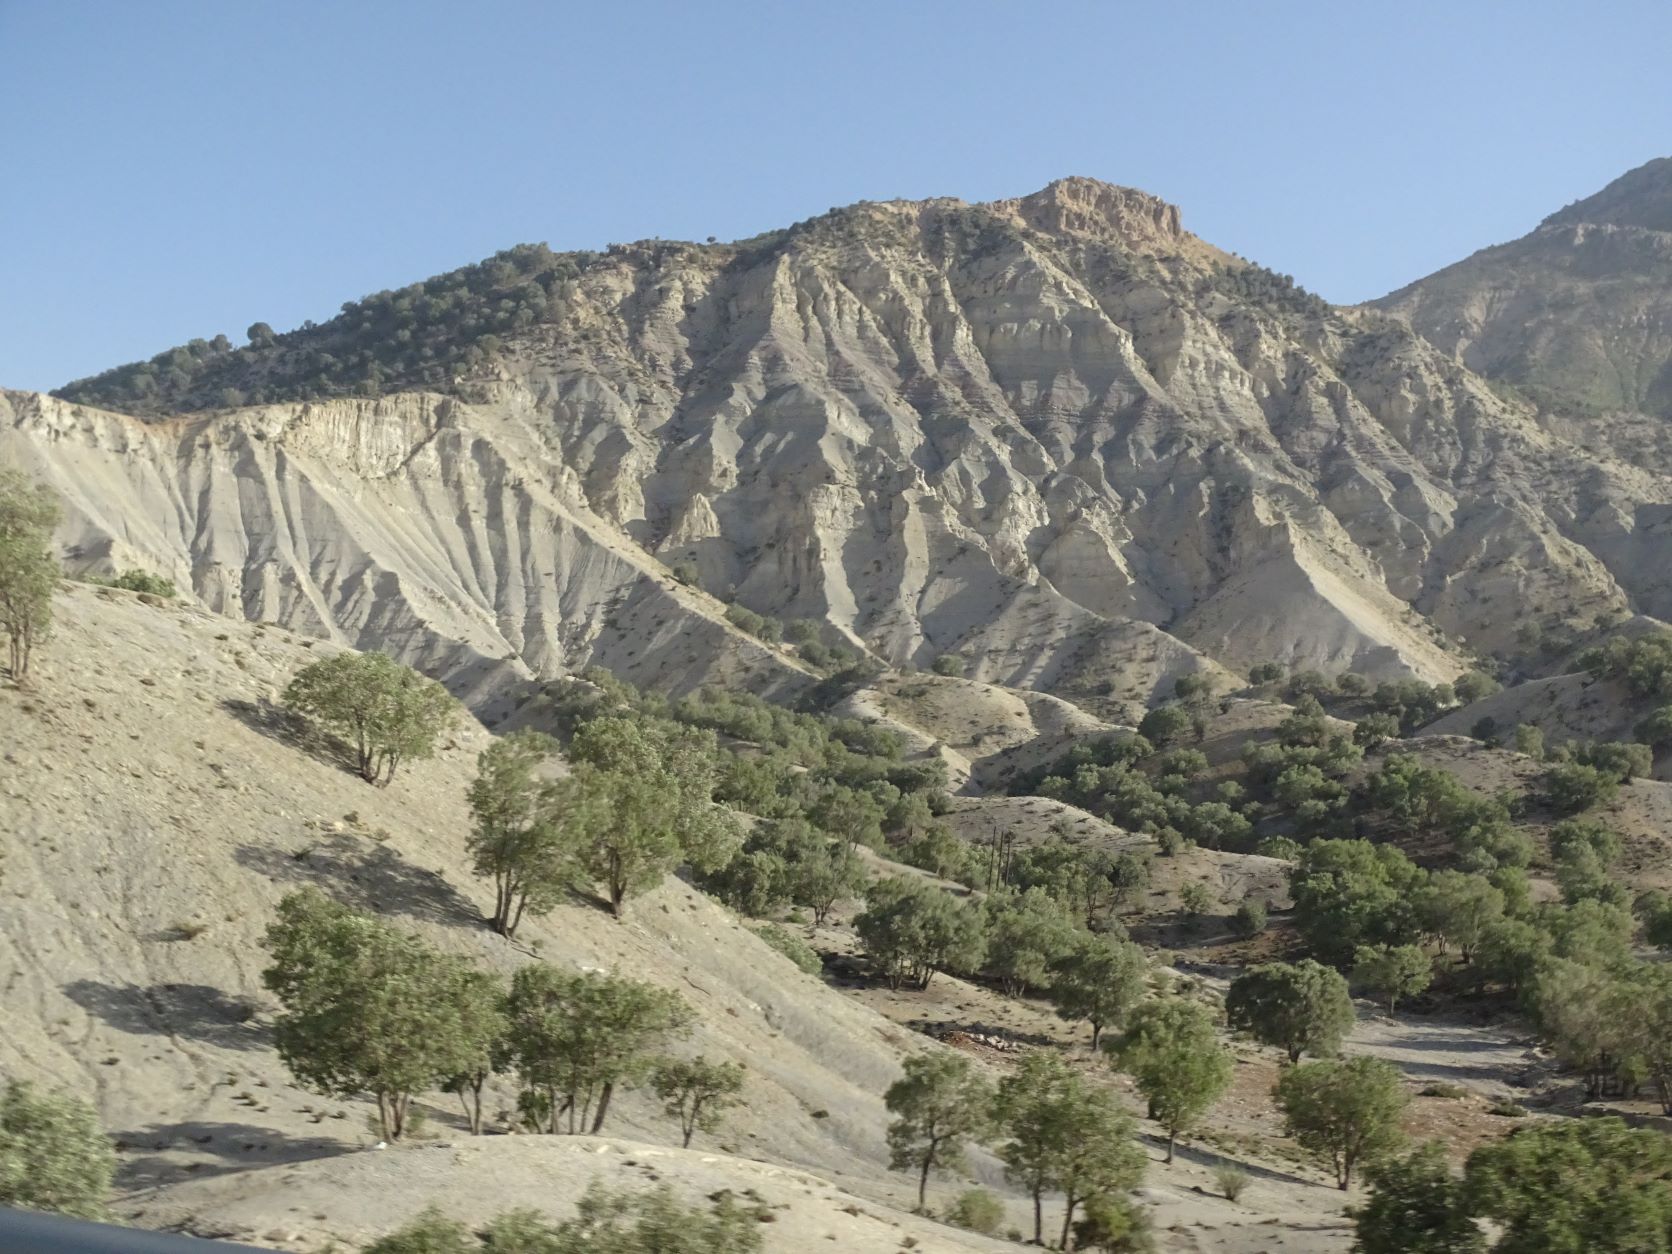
[54, 1156]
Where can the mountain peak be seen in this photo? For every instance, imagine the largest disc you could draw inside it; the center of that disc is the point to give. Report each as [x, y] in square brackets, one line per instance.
[1640, 197]
[1092, 209]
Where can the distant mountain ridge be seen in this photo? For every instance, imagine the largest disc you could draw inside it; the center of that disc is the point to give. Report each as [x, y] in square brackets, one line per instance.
[1577, 313]
[1058, 435]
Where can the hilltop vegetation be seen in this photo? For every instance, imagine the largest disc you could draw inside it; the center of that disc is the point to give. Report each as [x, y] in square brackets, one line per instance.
[423, 336]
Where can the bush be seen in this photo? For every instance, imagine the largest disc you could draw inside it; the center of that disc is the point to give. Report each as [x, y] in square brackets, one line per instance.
[950, 665]
[792, 947]
[53, 1154]
[1232, 1180]
[1573, 787]
[430, 1233]
[1250, 918]
[141, 581]
[761, 626]
[977, 1210]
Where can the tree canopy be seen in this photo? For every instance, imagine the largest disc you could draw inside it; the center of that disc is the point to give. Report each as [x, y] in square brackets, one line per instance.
[388, 713]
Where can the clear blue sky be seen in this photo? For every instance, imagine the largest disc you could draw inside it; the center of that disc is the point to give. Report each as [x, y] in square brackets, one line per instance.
[187, 167]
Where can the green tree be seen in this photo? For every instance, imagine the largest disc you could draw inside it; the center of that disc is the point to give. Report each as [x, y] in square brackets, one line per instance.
[1574, 787]
[1062, 1135]
[1655, 729]
[697, 1092]
[1349, 893]
[1347, 1111]
[637, 804]
[950, 665]
[911, 929]
[1472, 686]
[53, 1154]
[1374, 730]
[1393, 971]
[388, 713]
[849, 815]
[1114, 1225]
[1196, 899]
[1580, 1186]
[1098, 981]
[978, 1210]
[939, 1105]
[517, 837]
[1415, 1206]
[573, 1038]
[371, 1009]
[1250, 918]
[1302, 1008]
[1458, 908]
[1528, 739]
[1166, 724]
[1026, 934]
[28, 569]
[1172, 1051]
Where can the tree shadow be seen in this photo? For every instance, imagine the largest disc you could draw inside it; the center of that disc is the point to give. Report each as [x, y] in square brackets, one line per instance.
[1211, 1159]
[208, 1148]
[194, 1012]
[291, 730]
[373, 878]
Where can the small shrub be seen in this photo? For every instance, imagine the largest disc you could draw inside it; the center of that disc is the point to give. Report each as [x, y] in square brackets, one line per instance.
[140, 581]
[1250, 918]
[1506, 1109]
[1231, 1179]
[53, 1154]
[977, 1210]
[1450, 1091]
[792, 947]
[950, 665]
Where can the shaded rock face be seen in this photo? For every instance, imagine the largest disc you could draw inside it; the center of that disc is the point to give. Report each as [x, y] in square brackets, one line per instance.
[1058, 435]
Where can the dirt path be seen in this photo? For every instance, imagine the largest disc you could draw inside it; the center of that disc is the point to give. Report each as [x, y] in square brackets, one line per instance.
[1492, 1060]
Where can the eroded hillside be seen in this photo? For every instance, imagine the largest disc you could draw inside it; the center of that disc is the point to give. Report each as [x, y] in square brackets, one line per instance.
[1058, 436]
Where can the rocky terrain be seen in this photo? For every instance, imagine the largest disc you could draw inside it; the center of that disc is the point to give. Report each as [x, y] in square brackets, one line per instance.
[1059, 436]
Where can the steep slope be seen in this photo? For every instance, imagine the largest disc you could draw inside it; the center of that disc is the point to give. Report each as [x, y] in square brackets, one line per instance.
[1045, 433]
[153, 808]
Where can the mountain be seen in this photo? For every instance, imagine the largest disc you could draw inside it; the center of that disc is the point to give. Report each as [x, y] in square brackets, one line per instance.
[1059, 436]
[1577, 314]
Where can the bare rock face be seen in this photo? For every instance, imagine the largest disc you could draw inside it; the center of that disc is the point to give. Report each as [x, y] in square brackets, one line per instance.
[1058, 435]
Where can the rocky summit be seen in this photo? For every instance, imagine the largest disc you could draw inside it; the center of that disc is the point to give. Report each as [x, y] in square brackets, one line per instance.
[1058, 436]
